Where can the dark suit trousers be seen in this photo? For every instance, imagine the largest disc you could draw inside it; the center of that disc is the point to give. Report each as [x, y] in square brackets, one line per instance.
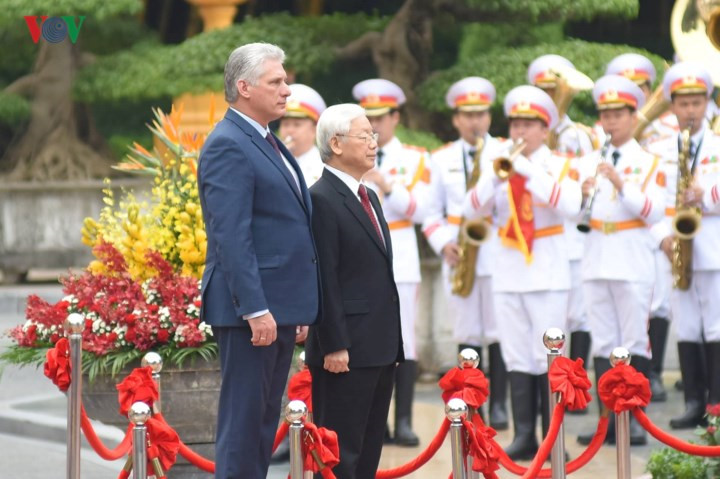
[253, 380]
[355, 405]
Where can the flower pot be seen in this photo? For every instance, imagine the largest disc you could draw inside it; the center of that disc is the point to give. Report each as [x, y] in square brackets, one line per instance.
[189, 399]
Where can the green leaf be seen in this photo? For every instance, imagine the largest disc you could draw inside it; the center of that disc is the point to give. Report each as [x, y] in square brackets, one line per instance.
[14, 109]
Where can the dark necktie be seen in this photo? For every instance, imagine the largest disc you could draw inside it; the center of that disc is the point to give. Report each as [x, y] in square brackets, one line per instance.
[273, 143]
[380, 155]
[615, 157]
[365, 200]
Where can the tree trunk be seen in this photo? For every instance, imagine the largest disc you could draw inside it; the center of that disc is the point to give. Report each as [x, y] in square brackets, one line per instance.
[401, 54]
[50, 148]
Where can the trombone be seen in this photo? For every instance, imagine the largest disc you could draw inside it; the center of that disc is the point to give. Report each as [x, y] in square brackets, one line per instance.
[584, 225]
[503, 165]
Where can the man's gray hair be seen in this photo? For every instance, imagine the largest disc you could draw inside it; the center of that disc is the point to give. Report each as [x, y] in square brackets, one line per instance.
[246, 63]
[335, 121]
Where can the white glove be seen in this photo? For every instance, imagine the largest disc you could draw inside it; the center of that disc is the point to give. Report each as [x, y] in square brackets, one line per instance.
[523, 166]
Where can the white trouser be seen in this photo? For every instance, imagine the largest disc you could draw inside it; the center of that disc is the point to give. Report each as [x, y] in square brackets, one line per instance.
[660, 307]
[408, 293]
[577, 312]
[618, 316]
[474, 315]
[525, 318]
[696, 312]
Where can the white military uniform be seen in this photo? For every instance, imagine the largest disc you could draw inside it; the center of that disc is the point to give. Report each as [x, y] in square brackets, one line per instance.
[311, 165]
[696, 311]
[619, 263]
[407, 168]
[452, 165]
[530, 297]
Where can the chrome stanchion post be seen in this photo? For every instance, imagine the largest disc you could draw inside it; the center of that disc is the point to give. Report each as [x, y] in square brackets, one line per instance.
[456, 410]
[622, 421]
[155, 362]
[554, 340]
[468, 358]
[138, 415]
[74, 325]
[295, 414]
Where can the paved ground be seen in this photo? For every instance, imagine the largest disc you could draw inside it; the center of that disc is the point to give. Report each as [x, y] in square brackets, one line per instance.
[32, 423]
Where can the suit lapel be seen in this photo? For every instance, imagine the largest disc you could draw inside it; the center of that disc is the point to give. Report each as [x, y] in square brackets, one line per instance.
[270, 153]
[353, 204]
[375, 202]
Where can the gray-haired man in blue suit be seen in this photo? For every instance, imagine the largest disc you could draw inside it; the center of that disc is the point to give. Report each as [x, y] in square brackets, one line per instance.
[260, 288]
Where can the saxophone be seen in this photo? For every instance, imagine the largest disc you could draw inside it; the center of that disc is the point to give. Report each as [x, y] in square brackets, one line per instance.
[472, 233]
[686, 222]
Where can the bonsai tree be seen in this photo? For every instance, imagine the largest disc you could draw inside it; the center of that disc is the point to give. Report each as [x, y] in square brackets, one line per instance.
[58, 140]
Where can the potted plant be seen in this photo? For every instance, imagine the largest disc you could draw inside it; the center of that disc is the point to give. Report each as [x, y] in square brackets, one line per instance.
[141, 293]
[668, 463]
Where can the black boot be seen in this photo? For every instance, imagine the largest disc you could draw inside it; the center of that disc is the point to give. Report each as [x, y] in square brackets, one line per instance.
[579, 348]
[601, 365]
[545, 415]
[498, 388]
[658, 332]
[712, 350]
[523, 396]
[693, 378]
[638, 435]
[405, 375]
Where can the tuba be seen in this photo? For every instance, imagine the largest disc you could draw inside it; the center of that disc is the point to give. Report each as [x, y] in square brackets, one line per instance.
[695, 32]
[686, 222]
[568, 83]
[655, 106]
[471, 234]
[503, 165]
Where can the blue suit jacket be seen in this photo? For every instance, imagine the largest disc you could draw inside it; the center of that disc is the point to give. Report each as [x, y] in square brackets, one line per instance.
[260, 248]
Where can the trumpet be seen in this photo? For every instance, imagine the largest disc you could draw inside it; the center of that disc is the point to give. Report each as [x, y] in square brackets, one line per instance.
[584, 225]
[503, 165]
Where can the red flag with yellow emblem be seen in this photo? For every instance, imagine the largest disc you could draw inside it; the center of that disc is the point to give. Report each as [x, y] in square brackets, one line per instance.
[519, 231]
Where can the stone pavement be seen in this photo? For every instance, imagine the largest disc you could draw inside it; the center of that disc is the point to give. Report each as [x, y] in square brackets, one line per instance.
[32, 423]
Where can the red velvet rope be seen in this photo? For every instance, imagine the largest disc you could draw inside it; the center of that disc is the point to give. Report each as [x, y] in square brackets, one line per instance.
[57, 364]
[300, 387]
[422, 458]
[548, 442]
[97, 445]
[572, 466]
[672, 441]
[280, 434]
[124, 474]
[568, 378]
[191, 456]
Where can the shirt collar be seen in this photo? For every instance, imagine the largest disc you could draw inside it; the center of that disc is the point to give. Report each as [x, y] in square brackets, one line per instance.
[349, 181]
[263, 131]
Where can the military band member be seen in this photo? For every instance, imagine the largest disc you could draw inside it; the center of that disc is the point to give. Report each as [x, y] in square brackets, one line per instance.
[573, 139]
[297, 129]
[453, 170]
[401, 179]
[619, 266]
[696, 312]
[641, 71]
[531, 276]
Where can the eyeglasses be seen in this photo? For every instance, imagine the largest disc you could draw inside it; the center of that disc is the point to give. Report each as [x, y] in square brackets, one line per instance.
[374, 137]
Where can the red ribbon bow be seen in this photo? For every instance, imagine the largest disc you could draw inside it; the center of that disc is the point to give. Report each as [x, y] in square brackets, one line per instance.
[137, 386]
[468, 384]
[300, 387]
[325, 444]
[163, 443]
[570, 379]
[622, 388]
[485, 456]
[57, 364]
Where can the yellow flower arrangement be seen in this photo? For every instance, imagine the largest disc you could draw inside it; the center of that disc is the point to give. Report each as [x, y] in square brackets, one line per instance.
[170, 222]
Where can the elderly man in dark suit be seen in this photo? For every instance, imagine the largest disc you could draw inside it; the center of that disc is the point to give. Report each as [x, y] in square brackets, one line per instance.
[261, 280]
[353, 350]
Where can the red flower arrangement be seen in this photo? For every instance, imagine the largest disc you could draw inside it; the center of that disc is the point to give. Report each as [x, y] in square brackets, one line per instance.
[123, 316]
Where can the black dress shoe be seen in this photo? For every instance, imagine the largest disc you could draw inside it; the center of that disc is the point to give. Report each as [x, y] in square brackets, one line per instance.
[693, 416]
[404, 435]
